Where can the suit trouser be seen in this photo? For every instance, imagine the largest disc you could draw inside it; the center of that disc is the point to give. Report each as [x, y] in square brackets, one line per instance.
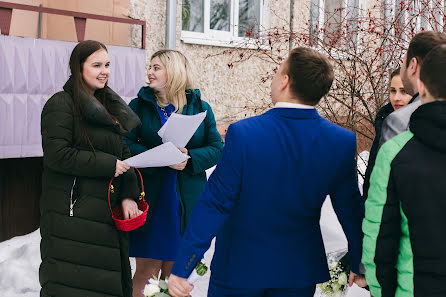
[219, 290]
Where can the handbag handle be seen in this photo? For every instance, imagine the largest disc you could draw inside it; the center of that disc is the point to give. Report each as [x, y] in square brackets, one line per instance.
[111, 189]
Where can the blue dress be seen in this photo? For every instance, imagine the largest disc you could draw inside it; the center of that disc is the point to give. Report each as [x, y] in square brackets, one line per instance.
[162, 239]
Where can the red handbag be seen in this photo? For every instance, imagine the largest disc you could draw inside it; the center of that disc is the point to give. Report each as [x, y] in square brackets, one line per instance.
[118, 216]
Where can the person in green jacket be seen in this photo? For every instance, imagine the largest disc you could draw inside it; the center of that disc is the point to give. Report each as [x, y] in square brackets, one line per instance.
[83, 254]
[171, 191]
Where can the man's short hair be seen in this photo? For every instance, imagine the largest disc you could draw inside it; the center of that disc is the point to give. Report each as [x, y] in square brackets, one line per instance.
[433, 72]
[422, 43]
[310, 73]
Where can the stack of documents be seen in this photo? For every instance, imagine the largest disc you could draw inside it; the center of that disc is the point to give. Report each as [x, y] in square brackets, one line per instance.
[175, 133]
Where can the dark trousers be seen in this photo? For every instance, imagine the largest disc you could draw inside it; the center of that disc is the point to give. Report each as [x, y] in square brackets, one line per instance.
[219, 290]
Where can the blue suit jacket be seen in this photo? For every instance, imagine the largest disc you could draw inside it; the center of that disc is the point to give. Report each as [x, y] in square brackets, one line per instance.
[264, 199]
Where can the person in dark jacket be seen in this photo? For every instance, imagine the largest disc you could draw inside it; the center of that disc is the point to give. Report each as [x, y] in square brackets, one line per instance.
[171, 191]
[83, 254]
[404, 240]
[418, 48]
[398, 98]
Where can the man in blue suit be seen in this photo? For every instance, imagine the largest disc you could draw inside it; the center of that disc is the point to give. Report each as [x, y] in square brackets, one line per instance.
[264, 199]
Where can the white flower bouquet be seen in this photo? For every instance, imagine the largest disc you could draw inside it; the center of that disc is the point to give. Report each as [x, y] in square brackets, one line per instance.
[159, 288]
[156, 288]
[339, 270]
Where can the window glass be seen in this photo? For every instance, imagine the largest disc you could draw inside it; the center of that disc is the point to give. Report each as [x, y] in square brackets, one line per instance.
[249, 17]
[220, 12]
[192, 15]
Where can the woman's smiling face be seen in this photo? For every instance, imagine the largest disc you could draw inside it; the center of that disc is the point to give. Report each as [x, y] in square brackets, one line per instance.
[398, 96]
[157, 74]
[96, 71]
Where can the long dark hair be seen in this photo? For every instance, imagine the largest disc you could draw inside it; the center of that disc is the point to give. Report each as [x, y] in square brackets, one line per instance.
[78, 57]
[394, 73]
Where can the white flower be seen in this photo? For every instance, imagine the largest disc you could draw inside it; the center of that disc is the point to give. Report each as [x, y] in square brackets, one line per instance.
[337, 294]
[154, 281]
[333, 265]
[151, 289]
[336, 287]
[342, 280]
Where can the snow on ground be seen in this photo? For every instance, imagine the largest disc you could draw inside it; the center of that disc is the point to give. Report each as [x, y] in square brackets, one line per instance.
[19, 266]
[20, 256]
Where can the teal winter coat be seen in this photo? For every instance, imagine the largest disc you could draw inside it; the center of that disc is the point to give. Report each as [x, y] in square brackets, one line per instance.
[204, 149]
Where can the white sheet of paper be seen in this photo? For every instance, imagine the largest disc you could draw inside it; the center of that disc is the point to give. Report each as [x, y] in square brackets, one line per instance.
[163, 128]
[160, 156]
[179, 128]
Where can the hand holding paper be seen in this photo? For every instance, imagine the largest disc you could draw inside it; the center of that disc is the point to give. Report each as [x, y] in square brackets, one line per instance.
[182, 165]
[175, 133]
[160, 156]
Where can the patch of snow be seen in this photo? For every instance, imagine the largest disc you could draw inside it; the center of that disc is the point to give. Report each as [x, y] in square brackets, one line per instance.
[19, 266]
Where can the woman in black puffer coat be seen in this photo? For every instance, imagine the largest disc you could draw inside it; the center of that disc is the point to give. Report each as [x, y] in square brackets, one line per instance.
[83, 254]
[398, 98]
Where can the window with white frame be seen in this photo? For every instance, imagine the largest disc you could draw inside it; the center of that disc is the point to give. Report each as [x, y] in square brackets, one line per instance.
[218, 22]
[333, 16]
[416, 15]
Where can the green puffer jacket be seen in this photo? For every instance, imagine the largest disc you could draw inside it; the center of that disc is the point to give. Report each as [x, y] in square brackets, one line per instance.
[204, 149]
[84, 254]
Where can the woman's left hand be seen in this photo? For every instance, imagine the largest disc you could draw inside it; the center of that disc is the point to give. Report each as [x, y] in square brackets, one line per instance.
[129, 208]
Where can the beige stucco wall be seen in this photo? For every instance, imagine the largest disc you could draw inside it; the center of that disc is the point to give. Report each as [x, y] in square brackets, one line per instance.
[154, 13]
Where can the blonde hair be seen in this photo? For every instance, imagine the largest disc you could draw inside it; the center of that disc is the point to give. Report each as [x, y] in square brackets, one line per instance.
[180, 77]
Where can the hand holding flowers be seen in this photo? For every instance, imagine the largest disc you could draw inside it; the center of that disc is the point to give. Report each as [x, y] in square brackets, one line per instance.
[156, 288]
[179, 287]
[336, 286]
[359, 280]
[174, 286]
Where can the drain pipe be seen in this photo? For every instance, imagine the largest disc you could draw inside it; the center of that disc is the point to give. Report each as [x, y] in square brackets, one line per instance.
[39, 25]
[171, 24]
[290, 39]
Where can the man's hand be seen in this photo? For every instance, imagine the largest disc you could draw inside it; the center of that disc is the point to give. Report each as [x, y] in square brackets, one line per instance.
[178, 286]
[357, 279]
[182, 165]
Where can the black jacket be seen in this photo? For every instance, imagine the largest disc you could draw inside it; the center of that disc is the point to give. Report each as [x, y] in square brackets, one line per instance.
[404, 226]
[84, 254]
[379, 119]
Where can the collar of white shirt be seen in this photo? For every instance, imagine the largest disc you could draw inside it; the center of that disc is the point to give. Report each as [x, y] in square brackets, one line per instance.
[292, 105]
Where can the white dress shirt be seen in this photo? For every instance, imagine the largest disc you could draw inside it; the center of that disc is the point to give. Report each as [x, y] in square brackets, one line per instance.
[292, 105]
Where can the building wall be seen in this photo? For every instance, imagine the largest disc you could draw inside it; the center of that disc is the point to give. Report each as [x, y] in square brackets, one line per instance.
[24, 23]
[227, 90]
[232, 92]
[57, 27]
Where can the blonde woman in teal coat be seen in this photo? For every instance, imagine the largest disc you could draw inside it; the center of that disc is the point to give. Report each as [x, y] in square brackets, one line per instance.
[171, 191]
